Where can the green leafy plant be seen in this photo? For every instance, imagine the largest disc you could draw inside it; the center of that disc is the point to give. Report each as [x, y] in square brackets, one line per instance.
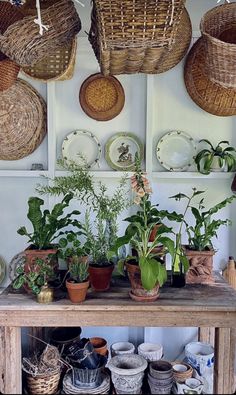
[100, 232]
[78, 270]
[47, 225]
[34, 277]
[201, 233]
[225, 157]
[138, 233]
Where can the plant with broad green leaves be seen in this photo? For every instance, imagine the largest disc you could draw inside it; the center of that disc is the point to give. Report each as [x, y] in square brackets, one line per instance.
[36, 276]
[138, 232]
[47, 225]
[225, 157]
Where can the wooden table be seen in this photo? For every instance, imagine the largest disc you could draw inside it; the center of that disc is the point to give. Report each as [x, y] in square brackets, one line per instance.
[192, 306]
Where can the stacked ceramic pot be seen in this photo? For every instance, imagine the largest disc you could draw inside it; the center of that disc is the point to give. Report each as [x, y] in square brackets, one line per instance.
[88, 370]
[150, 351]
[121, 348]
[127, 373]
[160, 377]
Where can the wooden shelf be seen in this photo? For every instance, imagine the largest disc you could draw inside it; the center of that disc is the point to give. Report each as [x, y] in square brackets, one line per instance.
[23, 173]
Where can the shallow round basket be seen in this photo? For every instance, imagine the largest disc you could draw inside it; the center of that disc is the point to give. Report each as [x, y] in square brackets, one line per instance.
[101, 98]
[43, 384]
[8, 73]
[58, 66]
[22, 122]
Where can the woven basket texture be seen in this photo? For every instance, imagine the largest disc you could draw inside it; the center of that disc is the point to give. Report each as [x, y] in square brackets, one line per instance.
[218, 27]
[9, 14]
[8, 73]
[133, 38]
[43, 384]
[30, 47]
[208, 95]
[22, 121]
[58, 66]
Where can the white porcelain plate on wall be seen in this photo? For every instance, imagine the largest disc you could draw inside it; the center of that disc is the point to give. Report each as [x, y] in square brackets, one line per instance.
[176, 151]
[81, 144]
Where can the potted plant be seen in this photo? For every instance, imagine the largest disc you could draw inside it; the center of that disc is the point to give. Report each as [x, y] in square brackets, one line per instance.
[146, 267]
[199, 250]
[71, 249]
[216, 158]
[47, 226]
[102, 211]
[36, 278]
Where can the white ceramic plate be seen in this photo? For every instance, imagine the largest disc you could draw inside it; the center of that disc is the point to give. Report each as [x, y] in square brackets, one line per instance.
[81, 142]
[120, 151]
[176, 151]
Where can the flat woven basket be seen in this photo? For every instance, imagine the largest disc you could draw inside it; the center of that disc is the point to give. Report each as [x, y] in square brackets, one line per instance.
[218, 27]
[43, 384]
[22, 121]
[129, 38]
[30, 47]
[58, 66]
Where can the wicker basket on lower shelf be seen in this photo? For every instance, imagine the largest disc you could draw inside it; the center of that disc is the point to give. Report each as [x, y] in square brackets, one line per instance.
[133, 38]
[43, 384]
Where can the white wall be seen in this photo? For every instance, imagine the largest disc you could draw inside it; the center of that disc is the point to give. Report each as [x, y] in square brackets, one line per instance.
[172, 109]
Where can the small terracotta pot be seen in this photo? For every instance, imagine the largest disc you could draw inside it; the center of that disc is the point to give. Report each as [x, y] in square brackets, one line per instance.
[100, 345]
[77, 291]
[138, 293]
[201, 265]
[100, 277]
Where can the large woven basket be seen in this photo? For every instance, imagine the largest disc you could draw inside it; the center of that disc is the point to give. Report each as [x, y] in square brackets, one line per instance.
[218, 27]
[132, 37]
[58, 66]
[43, 384]
[23, 121]
[30, 47]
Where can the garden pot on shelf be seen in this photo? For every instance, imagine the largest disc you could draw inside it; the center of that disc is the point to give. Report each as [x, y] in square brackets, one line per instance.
[138, 293]
[63, 337]
[99, 345]
[100, 277]
[127, 372]
[200, 266]
[32, 254]
[77, 291]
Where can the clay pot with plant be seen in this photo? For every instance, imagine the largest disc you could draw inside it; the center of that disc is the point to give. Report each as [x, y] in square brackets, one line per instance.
[102, 211]
[35, 278]
[47, 227]
[216, 158]
[198, 254]
[146, 270]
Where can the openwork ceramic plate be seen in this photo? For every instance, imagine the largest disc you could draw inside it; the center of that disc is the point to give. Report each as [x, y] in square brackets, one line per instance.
[2, 270]
[176, 151]
[16, 261]
[120, 151]
[81, 144]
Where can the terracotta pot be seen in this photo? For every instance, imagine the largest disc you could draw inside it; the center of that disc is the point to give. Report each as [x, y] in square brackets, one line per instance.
[100, 277]
[100, 345]
[201, 264]
[32, 254]
[77, 291]
[154, 232]
[137, 292]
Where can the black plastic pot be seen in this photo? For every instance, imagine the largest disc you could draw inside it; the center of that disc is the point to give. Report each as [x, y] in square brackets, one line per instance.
[63, 337]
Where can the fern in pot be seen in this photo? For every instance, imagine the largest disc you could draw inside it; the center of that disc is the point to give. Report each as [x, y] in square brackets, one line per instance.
[218, 158]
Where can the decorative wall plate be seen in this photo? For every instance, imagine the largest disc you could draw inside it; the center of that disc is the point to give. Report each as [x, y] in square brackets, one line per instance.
[176, 151]
[120, 150]
[16, 261]
[81, 142]
[102, 98]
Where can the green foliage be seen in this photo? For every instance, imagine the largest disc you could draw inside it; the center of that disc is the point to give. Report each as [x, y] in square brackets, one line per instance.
[201, 233]
[78, 269]
[80, 182]
[226, 157]
[47, 225]
[38, 275]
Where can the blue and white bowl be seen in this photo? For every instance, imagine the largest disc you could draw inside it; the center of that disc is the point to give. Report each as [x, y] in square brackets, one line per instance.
[200, 356]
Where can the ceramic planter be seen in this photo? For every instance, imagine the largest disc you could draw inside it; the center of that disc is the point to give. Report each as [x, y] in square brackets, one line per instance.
[32, 254]
[63, 337]
[121, 348]
[77, 291]
[201, 264]
[127, 372]
[150, 351]
[161, 370]
[190, 386]
[182, 371]
[100, 277]
[99, 345]
[200, 356]
[138, 293]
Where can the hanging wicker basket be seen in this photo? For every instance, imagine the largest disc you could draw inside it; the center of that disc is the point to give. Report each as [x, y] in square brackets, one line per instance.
[218, 27]
[43, 384]
[8, 73]
[30, 47]
[59, 66]
[133, 38]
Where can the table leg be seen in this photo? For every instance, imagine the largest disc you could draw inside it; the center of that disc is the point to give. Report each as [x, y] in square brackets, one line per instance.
[224, 361]
[10, 365]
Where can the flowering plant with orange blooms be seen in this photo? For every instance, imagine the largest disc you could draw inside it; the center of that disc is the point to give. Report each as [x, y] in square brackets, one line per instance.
[148, 254]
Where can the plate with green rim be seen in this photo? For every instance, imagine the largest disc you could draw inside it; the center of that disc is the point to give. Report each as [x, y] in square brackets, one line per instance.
[120, 151]
[2, 270]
